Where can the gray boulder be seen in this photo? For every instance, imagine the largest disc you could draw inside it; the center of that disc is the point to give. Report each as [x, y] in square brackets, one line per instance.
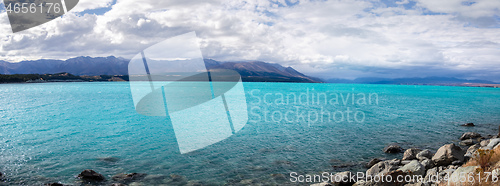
[455, 178]
[414, 168]
[493, 143]
[447, 154]
[427, 163]
[467, 142]
[471, 151]
[470, 135]
[425, 154]
[384, 167]
[411, 154]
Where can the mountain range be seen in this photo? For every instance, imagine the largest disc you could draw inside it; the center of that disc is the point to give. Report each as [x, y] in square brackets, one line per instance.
[411, 81]
[250, 71]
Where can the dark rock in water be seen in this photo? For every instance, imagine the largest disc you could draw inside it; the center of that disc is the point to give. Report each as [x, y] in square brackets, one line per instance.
[125, 178]
[448, 154]
[177, 178]
[470, 135]
[90, 175]
[411, 154]
[279, 176]
[468, 125]
[109, 159]
[393, 148]
[54, 184]
[373, 162]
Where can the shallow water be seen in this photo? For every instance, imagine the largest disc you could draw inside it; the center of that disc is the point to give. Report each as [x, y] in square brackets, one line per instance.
[52, 131]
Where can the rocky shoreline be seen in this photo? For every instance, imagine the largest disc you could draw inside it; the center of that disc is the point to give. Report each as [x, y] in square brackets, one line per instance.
[451, 164]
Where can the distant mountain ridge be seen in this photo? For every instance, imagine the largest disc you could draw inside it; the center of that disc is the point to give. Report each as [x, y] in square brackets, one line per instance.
[410, 81]
[77, 66]
[257, 71]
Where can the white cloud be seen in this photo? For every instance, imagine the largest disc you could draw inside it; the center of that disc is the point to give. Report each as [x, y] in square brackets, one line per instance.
[337, 38]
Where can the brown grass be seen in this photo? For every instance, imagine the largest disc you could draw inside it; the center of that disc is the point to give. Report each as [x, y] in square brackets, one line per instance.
[488, 160]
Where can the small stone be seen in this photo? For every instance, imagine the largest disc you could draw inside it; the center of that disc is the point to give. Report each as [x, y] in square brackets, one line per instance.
[393, 148]
[468, 125]
[470, 135]
[91, 175]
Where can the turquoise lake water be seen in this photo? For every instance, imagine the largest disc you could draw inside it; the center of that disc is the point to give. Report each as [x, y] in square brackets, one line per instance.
[50, 132]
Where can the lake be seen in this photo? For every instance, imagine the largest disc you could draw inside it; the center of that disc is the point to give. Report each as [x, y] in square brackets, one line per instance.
[50, 132]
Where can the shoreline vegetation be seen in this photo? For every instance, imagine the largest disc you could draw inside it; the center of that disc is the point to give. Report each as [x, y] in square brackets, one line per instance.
[59, 77]
[67, 77]
[473, 161]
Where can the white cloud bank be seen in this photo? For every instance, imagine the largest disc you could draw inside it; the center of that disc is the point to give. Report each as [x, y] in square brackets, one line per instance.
[330, 39]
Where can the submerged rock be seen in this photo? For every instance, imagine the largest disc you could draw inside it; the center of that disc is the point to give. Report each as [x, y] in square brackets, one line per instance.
[411, 154]
[448, 154]
[128, 177]
[393, 148]
[91, 175]
[468, 125]
[470, 135]
[109, 159]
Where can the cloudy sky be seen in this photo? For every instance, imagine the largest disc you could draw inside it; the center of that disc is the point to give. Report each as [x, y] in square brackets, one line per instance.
[328, 39]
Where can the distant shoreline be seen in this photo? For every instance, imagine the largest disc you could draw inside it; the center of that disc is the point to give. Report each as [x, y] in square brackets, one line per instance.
[66, 77]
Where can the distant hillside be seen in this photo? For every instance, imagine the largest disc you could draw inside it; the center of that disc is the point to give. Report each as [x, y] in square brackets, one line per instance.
[77, 66]
[412, 81]
[258, 71]
[254, 71]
